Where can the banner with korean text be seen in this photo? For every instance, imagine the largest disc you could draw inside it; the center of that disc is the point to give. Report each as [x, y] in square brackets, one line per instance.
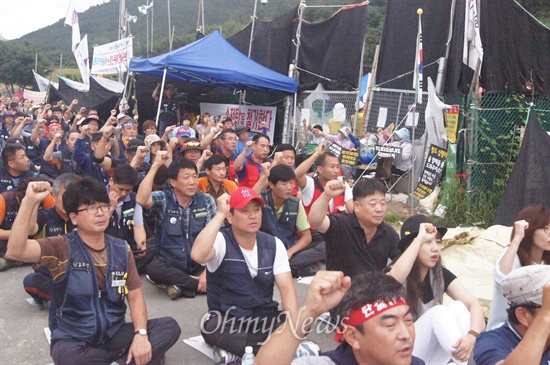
[248, 115]
[435, 164]
[112, 58]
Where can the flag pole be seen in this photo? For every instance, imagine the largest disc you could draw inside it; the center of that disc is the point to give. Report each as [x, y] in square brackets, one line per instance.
[418, 74]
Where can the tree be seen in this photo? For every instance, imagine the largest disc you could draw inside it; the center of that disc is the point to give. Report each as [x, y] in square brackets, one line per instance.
[16, 65]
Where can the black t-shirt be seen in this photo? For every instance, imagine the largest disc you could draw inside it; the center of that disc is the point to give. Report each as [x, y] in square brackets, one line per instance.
[427, 292]
[347, 249]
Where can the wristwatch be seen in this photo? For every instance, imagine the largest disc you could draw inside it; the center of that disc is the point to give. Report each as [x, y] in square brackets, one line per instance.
[142, 332]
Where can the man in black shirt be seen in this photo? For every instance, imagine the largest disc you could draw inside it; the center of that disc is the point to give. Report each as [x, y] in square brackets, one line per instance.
[169, 109]
[359, 241]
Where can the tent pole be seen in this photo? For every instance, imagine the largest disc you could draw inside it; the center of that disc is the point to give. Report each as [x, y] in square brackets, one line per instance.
[161, 93]
[298, 42]
[125, 88]
[252, 28]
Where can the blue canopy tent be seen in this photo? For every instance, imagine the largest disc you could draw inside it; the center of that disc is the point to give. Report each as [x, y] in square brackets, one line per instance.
[213, 61]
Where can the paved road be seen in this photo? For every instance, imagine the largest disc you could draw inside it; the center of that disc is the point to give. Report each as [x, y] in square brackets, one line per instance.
[22, 339]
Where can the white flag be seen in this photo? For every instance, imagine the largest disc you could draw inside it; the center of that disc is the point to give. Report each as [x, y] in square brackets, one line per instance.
[473, 49]
[82, 59]
[436, 133]
[72, 20]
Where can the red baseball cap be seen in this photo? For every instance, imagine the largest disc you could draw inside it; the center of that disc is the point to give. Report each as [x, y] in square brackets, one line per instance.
[240, 198]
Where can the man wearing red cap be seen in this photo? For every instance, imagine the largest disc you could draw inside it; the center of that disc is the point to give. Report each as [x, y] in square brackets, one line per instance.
[242, 266]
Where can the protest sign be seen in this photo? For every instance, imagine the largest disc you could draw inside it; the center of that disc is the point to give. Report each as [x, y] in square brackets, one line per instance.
[451, 120]
[346, 157]
[435, 164]
[388, 151]
[248, 115]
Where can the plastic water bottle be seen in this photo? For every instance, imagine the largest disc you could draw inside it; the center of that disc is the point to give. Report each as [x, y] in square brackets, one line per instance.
[248, 358]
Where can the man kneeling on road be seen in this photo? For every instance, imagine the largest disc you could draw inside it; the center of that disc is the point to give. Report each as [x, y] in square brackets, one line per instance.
[242, 265]
[376, 327]
[92, 275]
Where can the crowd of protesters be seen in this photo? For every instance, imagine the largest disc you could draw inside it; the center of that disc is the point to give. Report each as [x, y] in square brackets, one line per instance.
[204, 207]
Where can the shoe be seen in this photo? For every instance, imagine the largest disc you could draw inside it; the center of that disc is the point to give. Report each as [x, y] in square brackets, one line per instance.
[162, 286]
[173, 291]
[223, 357]
[5, 263]
[307, 348]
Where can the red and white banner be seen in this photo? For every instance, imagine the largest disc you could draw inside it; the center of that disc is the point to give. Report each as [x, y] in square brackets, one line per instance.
[247, 115]
[112, 58]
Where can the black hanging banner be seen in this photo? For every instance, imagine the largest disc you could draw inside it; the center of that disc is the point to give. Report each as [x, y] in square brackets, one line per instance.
[435, 164]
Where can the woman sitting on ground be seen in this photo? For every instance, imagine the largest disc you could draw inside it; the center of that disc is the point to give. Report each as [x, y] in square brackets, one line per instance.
[442, 331]
[529, 245]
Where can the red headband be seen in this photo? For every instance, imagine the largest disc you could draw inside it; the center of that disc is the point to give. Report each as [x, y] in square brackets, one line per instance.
[54, 125]
[363, 314]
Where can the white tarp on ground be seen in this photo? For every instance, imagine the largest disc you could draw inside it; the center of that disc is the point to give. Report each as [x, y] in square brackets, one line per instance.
[470, 253]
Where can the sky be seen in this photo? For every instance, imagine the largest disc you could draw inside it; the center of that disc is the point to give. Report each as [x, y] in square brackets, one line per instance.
[20, 17]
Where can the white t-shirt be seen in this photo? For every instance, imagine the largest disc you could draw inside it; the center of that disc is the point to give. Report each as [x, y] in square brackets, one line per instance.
[280, 265]
[309, 189]
[499, 305]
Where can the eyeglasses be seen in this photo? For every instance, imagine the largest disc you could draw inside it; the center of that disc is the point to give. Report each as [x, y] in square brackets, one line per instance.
[231, 139]
[92, 209]
[547, 229]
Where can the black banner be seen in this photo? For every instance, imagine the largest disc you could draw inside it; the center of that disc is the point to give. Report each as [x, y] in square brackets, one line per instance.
[435, 164]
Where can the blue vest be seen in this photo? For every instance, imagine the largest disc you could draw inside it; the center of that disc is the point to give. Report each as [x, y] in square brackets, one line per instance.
[343, 355]
[175, 233]
[232, 289]
[67, 162]
[122, 227]
[6, 180]
[283, 228]
[54, 225]
[79, 310]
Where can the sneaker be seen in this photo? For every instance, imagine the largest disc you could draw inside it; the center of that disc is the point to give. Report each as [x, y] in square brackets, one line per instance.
[223, 357]
[307, 348]
[173, 291]
[5, 263]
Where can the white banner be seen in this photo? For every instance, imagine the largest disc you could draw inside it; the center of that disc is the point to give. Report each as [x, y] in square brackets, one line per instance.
[72, 20]
[112, 58]
[83, 60]
[247, 115]
[37, 97]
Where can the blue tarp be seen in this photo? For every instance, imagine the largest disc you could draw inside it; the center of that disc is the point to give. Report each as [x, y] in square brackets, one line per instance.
[213, 61]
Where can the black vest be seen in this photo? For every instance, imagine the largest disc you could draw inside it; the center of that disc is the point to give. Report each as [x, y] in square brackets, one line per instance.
[232, 289]
[79, 310]
[123, 227]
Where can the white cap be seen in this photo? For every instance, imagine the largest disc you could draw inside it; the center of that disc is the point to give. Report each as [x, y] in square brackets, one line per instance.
[248, 350]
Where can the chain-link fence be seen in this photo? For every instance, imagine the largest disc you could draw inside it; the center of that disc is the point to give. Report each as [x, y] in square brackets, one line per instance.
[489, 139]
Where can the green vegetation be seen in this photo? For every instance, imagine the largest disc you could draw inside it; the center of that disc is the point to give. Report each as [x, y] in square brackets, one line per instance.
[101, 22]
